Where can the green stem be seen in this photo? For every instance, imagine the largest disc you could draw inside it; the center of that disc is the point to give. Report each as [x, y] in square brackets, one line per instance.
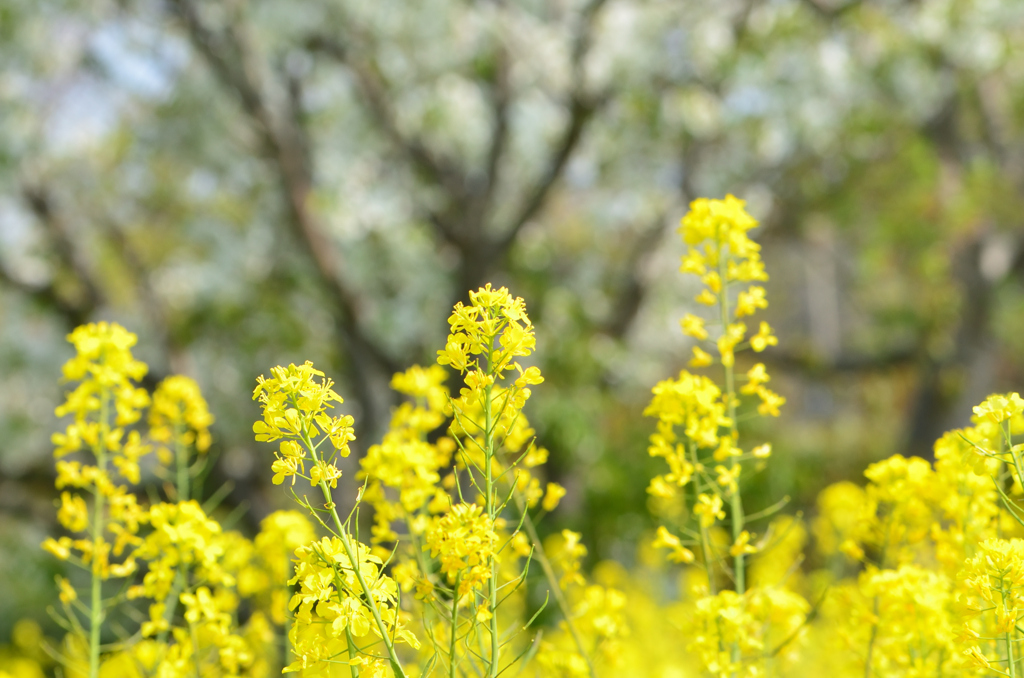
[455, 627]
[705, 540]
[492, 584]
[735, 500]
[96, 606]
[181, 455]
[352, 668]
[346, 541]
[1010, 661]
[556, 590]
[195, 647]
[871, 639]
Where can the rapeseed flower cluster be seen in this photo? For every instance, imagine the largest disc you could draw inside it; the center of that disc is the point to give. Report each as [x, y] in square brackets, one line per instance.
[735, 630]
[269, 567]
[455, 488]
[294, 405]
[179, 422]
[464, 542]
[183, 542]
[342, 585]
[183, 563]
[104, 403]
[403, 472]
[917, 571]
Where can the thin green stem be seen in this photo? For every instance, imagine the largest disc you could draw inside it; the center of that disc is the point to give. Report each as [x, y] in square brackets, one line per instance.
[181, 456]
[452, 663]
[195, 647]
[350, 551]
[352, 653]
[871, 639]
[96, 532]
[492, 584]
[705, 545]
[735, 500]
[1010, 661]
[549, 573]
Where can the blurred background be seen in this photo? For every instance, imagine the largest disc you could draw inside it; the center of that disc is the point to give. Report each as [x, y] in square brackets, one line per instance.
[245, 184]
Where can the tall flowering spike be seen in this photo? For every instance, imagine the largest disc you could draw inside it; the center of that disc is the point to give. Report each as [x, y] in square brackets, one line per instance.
[698, 438]
[105, 401]
[102, 404]
[344, 591]
[723, 256]
[105, 369]
[486, 339]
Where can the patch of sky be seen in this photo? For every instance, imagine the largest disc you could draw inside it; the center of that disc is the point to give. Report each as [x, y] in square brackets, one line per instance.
[138, 58]
[746, 101]
[80, 117]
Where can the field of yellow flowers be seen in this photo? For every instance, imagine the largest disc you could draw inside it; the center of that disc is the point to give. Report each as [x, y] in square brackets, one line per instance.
[924, 565]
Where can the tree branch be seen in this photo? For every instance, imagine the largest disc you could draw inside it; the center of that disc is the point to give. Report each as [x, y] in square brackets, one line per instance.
[232, 63]
[582, 107]
[633, 289]
[41, 202]
[75, 312]
[436, 167]
[501, 96]
[831, 12]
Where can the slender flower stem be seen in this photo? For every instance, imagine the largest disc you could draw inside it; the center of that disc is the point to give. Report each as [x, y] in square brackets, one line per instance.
[352, 668]
[735, 500]
[452, 664]
[1010, 661]
[492, 585]
[96, 602]
[181, 456]
[556, 590]
[350, 551]
[195, 647]
[705, 539]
